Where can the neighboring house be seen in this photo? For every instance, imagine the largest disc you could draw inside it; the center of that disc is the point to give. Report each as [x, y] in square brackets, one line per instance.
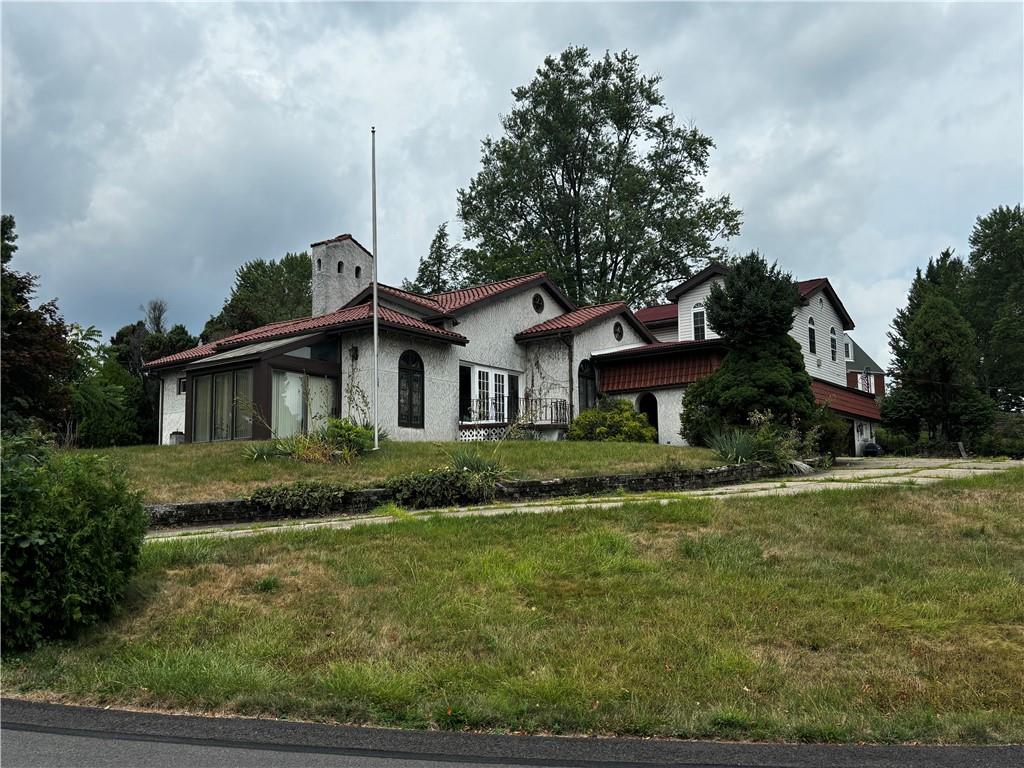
[655, 376]
[452, 366]
[464, 364]
[861, 371]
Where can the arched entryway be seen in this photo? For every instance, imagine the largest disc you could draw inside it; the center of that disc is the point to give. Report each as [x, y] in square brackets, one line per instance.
[647, 404]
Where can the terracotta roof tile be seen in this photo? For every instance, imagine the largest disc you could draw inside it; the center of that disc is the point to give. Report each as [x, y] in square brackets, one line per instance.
[452, 301]
[809, 286]
[657, 313]
[852, 402]
[574, 319]
[631, 375]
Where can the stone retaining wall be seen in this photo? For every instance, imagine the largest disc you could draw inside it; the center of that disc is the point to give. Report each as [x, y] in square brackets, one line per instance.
[199, 513]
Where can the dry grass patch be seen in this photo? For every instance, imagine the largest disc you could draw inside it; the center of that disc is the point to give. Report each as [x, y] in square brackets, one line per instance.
[848, 615]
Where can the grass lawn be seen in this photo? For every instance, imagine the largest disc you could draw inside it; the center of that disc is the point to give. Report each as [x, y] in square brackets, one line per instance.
[221, 470]
[876, 614]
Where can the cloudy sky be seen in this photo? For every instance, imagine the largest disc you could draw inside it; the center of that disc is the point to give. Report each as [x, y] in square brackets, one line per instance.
[149, 150]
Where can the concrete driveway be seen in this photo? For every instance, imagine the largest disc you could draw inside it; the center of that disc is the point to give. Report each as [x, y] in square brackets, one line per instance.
[847, 473]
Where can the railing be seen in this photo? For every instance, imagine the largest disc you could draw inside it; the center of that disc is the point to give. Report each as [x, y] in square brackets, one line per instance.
[502, 410]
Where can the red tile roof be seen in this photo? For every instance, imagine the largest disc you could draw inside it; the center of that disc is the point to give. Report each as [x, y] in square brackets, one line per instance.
[576, 319]
[338, 239]
[807, 287]
[453, 301]
[418, 300]
[668, 370]
[847, 400]
[658, 314]
[360, 314]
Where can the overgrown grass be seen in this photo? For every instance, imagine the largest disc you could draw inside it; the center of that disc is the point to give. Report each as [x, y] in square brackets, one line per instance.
[222, 471]
[875, 614]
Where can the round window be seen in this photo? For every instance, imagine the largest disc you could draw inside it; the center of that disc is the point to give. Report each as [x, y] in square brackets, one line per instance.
[617, 330]
[538, 303]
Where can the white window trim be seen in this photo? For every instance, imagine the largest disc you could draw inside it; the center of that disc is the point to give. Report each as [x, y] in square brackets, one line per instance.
[833, 344]
[494, 412]
[698, 307]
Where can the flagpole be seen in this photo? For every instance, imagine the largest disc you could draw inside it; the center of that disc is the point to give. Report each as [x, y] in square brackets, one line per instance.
[373, 186]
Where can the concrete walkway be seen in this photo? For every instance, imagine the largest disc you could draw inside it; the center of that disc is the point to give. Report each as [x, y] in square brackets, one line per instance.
[847, 473]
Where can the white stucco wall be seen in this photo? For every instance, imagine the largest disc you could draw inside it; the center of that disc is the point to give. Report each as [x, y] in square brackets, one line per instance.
[669, 408]
[547, 369]
[440, 383]
[685, 304]
[600, 337]
[332, 290]
[172, 406]
[821, 365]
[491, 329]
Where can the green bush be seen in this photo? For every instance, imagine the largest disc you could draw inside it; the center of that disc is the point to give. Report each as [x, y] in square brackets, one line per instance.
[613, 420]
[734, 446]
[305, 498]
[72, 534]
[339, 440]
[443, 487]
[894, 442]
[471, 460]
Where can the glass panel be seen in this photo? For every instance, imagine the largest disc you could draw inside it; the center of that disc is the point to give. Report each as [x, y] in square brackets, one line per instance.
[302, 352]
[222, 406]
[325, 350]
[499, 397]
[320, 401]
[698, 326]
[286, 404]
[201, 409]
[243, 404]
[483, 394]
[416, 401]
[404, 399]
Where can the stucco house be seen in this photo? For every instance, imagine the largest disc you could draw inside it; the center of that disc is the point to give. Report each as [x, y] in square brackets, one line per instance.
[464, 364]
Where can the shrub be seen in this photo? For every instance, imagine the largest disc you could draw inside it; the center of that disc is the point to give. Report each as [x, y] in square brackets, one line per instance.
[777, 444]
[471, 460]
[833, 433]
[72, 534]
[735, 446]
[612, 420]
[305, 498]
[339, 440]
[894, 442]
[443, 487]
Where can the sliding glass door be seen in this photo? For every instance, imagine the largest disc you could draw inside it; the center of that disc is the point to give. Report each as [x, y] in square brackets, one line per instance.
[222, 406]
[300, 403]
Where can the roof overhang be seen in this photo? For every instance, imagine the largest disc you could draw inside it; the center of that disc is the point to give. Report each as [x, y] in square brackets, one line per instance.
[846, 400]
[830, 292]
[613, 311]
[710, 271]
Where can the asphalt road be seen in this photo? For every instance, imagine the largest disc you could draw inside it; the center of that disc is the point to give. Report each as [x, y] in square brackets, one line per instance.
[36, 735]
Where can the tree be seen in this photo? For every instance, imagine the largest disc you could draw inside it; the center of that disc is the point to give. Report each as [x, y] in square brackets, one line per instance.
[37, 359]
[264, 292]
[441, 269]
[1005, 362]
[763, 369]
[943, 276]
[593, 182]
[156, 315]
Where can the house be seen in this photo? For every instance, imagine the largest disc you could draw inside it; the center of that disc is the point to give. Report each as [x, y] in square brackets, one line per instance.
[861, 371]
[654, 376]
[464, 364]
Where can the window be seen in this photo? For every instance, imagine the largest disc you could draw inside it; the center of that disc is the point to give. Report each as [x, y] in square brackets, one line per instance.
[498, 411]
[318, 265]
[483, 395]
[832, 343]
[299, 402]
[359, 271]
[538, 303]
[699, 326]
[222, 406]
[846, 349]
[588, 385]
[410, 390]
[182, 385]
[341, 266]
[811, 345]
[617, 330]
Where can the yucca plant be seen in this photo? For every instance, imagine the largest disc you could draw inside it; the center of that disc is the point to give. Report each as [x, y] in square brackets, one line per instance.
[735, 446]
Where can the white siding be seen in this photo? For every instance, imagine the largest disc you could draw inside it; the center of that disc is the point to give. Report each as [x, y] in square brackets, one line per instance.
[685, 303]
[172, 406]
[820, 365]
[667, 333]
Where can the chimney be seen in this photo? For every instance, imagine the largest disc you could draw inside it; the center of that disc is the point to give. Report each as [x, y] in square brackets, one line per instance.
[341, 269]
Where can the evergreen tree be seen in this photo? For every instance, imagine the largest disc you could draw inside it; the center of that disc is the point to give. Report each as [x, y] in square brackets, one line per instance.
[763, 369]
[441, 269]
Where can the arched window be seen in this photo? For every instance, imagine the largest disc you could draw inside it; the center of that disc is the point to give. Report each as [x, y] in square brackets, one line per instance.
[699, 326]
[588, 385]
[341, 266]
[359, 271]
[811, 344]
[410, 390]
[834, 344]
[318, 265]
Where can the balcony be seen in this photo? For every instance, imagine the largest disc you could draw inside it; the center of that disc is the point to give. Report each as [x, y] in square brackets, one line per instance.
[505, 410]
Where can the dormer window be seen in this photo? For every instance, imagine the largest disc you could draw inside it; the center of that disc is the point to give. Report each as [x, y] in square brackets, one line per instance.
[833, 343]
[811, 344]
[699, 326]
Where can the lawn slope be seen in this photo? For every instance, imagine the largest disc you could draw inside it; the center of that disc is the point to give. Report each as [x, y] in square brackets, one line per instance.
[876, 614]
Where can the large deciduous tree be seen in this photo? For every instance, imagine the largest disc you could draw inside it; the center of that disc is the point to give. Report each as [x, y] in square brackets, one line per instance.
[763, 369]
[594, 182]
[264, 292]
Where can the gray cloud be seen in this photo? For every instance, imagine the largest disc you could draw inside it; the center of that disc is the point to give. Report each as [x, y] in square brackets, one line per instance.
[151, 149]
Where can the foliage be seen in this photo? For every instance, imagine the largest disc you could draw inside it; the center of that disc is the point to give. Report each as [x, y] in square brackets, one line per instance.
[441, 487]
[832, 432]
[441, 269]
[472, 460]
[305, 498]
[339, 440]
[71, 541]
[612, 420]
[264, 292]
[1003, 360]
[778, 444]
[594, 182]
[38, 360]
[895, 442]
[752, 311]
[103, 396]
[735, 446]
